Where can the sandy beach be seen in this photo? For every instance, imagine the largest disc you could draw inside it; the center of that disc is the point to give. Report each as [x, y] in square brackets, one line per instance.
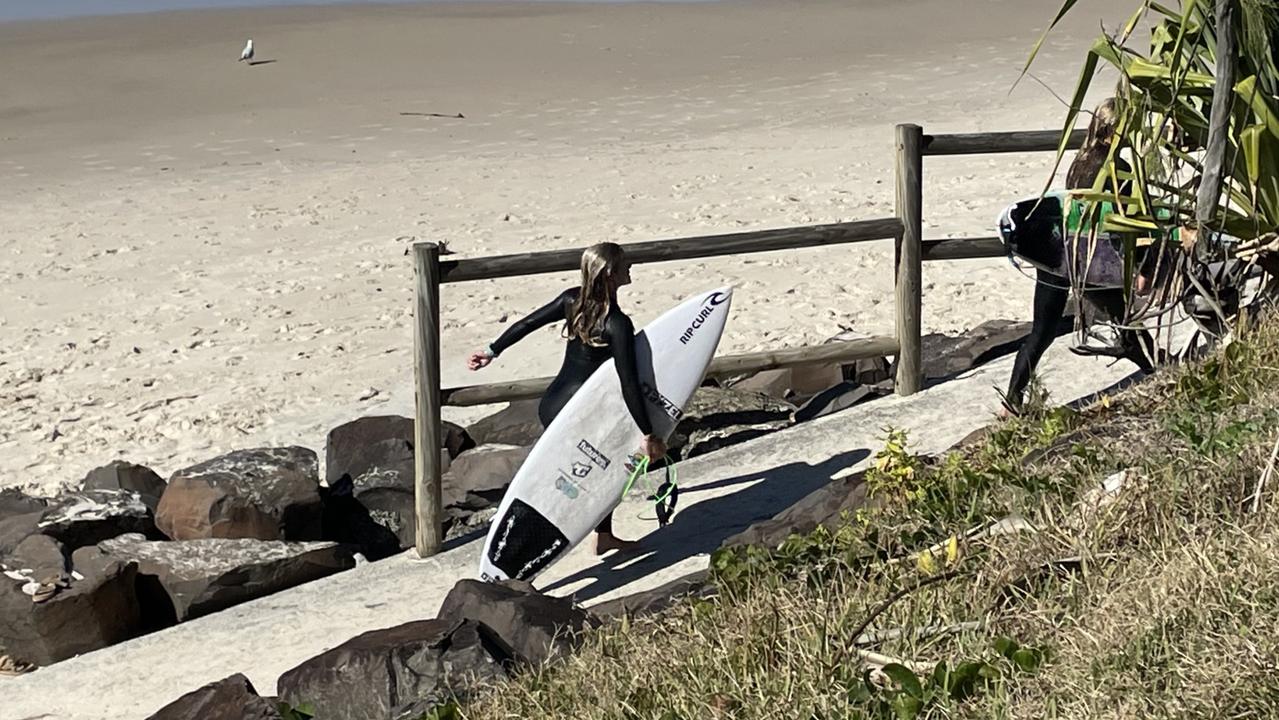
[197, 255]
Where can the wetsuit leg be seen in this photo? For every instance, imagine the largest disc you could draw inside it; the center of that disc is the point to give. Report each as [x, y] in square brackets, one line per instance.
[1137, 345]
[1051, 295]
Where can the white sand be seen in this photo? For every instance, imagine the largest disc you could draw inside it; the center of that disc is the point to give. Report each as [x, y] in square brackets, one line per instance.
[199, 256]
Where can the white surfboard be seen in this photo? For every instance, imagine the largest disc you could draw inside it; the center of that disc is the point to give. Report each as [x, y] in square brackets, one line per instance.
[575, 474]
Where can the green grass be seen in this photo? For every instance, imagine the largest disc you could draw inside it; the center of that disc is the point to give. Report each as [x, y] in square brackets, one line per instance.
[1158, 601]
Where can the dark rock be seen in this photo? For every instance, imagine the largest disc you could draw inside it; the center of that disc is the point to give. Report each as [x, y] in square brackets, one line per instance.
[266, 494]
[382, 444]
[377, 454]
[809, 379]
[199, 577]
[972, 438]
[517, 424]
[387, 674]
[39, 554]
[867, 371]
[821, 507]
[14, 530]
[945, 357]
[773, 383]
[658, 599]
[89, 517]
[346, 520]
[834, 399]
[98, 610]
[15, 502]
[719, 417]
[234, 698]
[121, 475]
[478, 479]
[531, 628]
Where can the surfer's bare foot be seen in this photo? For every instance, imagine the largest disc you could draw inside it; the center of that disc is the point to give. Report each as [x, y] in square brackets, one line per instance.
[605, 542]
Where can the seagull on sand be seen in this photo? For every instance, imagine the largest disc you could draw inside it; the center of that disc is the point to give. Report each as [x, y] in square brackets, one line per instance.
[247, 52]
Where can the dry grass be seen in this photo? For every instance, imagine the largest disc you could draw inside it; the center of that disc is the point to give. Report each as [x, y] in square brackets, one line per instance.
[1161, 602]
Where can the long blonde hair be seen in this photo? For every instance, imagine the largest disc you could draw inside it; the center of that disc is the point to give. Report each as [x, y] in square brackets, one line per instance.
[1092, 154]
[601, 263]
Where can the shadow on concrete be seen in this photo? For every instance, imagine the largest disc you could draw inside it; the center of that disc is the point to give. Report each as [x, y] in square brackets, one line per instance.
[701, 528]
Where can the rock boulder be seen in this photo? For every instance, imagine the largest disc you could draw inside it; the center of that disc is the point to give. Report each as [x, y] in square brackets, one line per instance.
[821, 507]
[531, 628]
[392, 673]
[199, 577]
[233, 698]
[99, 608]
[121, 475]
[89, 517]
[517, 424]
[15, 502]
[719, 417]
[265, 494]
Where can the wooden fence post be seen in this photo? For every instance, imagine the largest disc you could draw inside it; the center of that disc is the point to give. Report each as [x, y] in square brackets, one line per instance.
[909, 265]
[426, 378]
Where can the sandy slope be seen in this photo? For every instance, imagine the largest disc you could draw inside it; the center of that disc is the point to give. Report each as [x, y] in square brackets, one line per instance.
[197, 256]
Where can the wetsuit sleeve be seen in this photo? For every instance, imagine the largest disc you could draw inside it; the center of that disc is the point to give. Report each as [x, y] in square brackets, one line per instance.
[621, 338]
[554, 311]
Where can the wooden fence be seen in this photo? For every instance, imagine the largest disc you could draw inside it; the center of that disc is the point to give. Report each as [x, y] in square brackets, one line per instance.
[911, 250]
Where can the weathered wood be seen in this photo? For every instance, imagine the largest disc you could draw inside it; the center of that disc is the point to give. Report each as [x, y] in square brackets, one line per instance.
[535, 263]
[1209, 193]
[849, 351]
[999, 142]
[909, 266]
[963, 248]
[426, 376]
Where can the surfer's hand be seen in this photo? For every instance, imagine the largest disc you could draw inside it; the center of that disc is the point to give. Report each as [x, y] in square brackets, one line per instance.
[478, 360]
[653, 447]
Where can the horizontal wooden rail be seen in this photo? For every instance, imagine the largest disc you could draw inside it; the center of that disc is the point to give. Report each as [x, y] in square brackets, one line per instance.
[498, 266]
[999, 142]
[872, 347]
[964, 248]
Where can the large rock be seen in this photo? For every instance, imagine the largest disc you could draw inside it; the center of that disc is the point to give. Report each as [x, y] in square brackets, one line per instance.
[233, 698]
[121, 475]
[393, 673]
[98, 610]
[719, 417]
[658, 599]
[834, 399]
[517, 424]
[531, 628]
[89, 517]
[479, 478]
[17, 528]
[377, 455]
[15, 502]
[822, 507]
[382, 444]
[265, 494]
[945, 357]
[199, 577]
[39, 556]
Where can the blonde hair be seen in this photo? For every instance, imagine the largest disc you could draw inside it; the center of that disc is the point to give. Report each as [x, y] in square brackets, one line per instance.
[600, 264]
[1092, 154]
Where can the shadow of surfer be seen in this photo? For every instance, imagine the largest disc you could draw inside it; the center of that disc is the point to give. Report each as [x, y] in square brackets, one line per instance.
[702, 527]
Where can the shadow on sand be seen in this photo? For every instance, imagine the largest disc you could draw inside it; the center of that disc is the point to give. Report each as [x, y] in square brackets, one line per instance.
[701, 528]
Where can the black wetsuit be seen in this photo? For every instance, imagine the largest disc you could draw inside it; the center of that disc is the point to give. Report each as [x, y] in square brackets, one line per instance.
[1051, 295]
[616, 340]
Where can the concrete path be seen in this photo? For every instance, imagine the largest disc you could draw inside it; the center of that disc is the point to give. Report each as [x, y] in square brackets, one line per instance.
[721, 494]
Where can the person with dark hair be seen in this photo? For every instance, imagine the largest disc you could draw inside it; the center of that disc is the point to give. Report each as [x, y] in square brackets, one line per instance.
[596, 329]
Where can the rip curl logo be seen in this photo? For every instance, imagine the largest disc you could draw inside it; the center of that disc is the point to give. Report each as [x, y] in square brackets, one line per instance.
[581, 469]
[671, 409]
[716, 299]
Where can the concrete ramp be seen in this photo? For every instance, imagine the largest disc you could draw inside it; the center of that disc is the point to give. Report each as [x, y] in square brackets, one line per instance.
[720, 494]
